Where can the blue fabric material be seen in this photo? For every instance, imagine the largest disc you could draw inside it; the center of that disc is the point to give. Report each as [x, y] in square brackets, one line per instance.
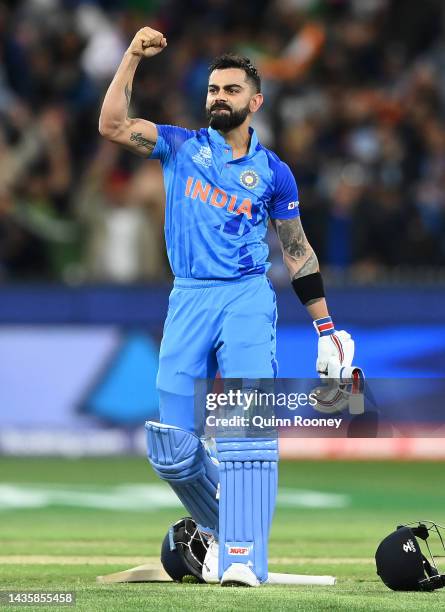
[228, 326]
[248, 487]
[179, 458]
[217, 207]
[179, 411]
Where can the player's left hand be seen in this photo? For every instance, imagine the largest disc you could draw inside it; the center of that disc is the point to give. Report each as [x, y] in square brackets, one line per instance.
[334, 351]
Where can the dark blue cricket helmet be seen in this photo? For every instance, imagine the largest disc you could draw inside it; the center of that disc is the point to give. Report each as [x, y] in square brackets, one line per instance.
[401, 563]
[183, 550]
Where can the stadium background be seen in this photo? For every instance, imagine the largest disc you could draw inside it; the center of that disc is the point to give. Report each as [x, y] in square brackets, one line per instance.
[355, 101]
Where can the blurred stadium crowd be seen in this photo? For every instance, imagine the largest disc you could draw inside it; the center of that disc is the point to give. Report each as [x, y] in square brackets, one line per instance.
[355, 104]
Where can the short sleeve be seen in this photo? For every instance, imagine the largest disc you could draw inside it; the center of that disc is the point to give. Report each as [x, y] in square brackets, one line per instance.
[284, 203]
[170, 139]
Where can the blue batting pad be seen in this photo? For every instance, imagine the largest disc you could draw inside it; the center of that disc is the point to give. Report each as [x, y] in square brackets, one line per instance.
[179, 457]
[248, 487]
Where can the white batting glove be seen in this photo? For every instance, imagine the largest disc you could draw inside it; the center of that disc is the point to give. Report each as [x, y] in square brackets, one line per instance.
[335, 349]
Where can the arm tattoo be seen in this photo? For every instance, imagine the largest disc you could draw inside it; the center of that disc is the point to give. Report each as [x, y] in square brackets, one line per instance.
[141, 141]
[309, 267]
[296, 247]
[127, 92]
[292, 238]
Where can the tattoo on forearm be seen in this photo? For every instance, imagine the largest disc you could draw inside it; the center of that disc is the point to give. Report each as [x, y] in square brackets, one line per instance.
[297, 251]
[127, 92]
[141, 141]
[309, 267]
[292, 238]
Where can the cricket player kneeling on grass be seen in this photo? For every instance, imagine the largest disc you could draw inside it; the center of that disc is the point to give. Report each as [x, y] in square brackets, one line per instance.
[223, 187]
[247, 476]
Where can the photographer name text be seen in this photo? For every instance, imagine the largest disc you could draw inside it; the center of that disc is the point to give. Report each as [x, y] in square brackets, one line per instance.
[261, 422]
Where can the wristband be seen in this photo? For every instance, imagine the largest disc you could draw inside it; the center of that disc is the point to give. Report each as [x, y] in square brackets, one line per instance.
[324, 326]
[309, 287]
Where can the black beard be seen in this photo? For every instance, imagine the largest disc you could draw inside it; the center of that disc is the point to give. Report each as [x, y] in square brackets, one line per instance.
[224, 122]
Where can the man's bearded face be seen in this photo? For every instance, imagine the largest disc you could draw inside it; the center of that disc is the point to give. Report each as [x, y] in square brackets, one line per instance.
[228, 99]
[223, 118]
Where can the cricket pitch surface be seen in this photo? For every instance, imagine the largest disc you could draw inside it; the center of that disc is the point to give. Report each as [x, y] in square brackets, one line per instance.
[65, 522]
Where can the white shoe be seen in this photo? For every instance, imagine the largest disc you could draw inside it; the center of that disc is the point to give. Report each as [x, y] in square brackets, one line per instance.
[210, 565]
[239, 574]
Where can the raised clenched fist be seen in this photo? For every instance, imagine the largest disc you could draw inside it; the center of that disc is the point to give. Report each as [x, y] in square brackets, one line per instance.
[147, 42]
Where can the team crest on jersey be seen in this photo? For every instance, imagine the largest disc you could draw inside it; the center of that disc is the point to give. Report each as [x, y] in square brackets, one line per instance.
[249, 178]
[203, 157]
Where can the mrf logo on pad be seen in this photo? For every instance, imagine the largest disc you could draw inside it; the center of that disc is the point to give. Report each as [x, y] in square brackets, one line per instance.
[241, 551]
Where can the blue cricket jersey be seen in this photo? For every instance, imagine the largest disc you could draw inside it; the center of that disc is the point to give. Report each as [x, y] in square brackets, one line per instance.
[217, 208]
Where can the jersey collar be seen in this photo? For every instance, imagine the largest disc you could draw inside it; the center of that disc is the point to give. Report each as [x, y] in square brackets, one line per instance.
[216, 138]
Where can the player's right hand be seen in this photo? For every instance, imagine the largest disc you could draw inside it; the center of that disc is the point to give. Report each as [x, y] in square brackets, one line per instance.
[147, 42]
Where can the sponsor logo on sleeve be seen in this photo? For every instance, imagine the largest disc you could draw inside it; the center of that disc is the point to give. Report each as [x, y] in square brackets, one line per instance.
[292, 205]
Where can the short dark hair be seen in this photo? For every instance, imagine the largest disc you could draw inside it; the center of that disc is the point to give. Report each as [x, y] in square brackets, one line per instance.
[230, 60]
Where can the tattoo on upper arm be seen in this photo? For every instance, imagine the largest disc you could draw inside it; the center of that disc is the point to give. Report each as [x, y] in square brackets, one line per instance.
[296, 247]
[127, 92]
[141, 141]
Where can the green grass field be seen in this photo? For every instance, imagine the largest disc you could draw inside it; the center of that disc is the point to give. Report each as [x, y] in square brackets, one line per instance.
[330, 519]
